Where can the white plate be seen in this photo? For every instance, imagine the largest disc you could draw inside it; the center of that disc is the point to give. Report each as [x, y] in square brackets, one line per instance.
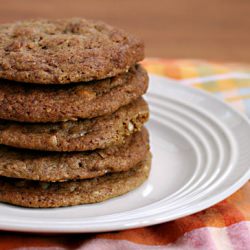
[200, 156]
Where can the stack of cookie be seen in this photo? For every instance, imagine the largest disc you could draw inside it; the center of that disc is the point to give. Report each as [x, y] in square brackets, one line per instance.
[71, 113]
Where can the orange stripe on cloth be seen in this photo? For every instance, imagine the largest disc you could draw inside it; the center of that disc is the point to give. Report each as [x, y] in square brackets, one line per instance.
[159, 234]
[229, 212]
[9, 240]
[154, 235]
[183, 69]
[241, 200]
[163, 67]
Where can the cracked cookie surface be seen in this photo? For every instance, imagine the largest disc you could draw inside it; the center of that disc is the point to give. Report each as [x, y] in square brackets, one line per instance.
[65, 50]
[38, 103]
[54, 166]
[81, 135]
[45, 194]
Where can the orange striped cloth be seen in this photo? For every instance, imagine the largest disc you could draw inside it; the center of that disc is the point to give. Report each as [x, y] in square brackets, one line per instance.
[223, 226]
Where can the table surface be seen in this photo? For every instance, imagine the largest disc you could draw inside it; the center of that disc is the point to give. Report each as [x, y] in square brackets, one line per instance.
[215, 30]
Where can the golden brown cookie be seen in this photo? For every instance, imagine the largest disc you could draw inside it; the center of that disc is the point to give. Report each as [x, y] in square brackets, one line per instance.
[60, 194]
[39, 103]
[52, 166]
[81, 135]
[65, 50]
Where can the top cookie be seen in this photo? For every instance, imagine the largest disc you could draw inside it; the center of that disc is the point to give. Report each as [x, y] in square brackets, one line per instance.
[65, 50]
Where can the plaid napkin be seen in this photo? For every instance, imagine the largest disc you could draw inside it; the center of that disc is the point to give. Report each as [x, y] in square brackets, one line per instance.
[223, 226]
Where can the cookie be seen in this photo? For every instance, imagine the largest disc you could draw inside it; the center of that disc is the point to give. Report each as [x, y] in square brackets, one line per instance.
[65, 50]
[59, 194]
[81, 135]
[39, 103]
[53, 166]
